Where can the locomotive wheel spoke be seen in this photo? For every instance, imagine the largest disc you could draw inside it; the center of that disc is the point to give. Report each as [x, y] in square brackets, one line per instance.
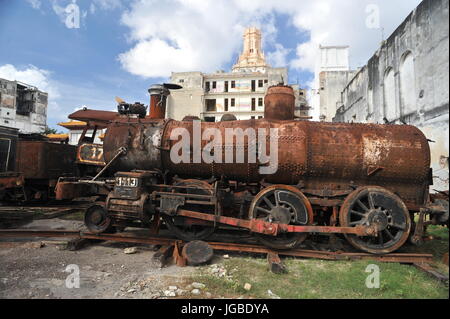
[361, 204]
[371, 203]
[357, 213]
[268, 202]
[263, 210]
[277, 203]
[380, 238]
[386, 231]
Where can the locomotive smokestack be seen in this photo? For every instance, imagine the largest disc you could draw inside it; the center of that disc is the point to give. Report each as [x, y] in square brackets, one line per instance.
[158, 101]
[279, 103]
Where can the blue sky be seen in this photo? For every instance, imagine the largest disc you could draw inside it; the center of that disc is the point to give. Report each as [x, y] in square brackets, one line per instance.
[122, 47]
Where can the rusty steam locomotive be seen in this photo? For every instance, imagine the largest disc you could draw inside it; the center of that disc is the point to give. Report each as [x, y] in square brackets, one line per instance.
[364, 181]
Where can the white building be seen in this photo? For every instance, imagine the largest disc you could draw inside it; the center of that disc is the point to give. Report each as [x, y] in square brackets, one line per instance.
[240, 92]
[331, 76]
[407, 81]
[22, 106]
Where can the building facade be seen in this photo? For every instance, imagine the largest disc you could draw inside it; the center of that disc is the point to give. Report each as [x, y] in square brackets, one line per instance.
[23, 106]
[407, 82]
[239, 92]
[332, 75]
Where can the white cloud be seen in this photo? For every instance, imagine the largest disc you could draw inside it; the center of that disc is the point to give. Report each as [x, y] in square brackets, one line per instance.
[185, 35]
[30, 75]
[108, 4]
[39, 78]
[182, 35]
[278, 58]
[36, 4]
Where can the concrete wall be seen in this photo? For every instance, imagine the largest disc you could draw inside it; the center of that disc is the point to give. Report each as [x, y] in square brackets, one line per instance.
[331, 85]
[407, 81]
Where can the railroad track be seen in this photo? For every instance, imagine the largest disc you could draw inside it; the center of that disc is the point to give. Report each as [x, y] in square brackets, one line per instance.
[173, 248]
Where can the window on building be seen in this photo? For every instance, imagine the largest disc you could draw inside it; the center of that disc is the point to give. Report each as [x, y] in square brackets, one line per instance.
[214, 85]
[207, 88]
[266, 81]
[226, 86]
[210, 119]
[252, 117]
[260, 117]
[233, 84]
[253, 85]
[260, 83]
[407, 84]
[390, 108]
[181, 81]
[260, 101]
[301, 93]
[253, 104]
[226, 105]
[233, 102]
[211, 105]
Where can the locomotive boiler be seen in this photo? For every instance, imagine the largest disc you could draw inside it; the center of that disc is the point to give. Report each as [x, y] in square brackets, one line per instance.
[277, 177]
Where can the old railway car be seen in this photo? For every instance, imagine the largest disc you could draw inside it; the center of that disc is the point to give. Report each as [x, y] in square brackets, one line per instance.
[364, 181]
[31, 165]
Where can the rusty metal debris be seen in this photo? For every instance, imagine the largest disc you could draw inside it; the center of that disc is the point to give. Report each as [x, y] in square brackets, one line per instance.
[408, 258]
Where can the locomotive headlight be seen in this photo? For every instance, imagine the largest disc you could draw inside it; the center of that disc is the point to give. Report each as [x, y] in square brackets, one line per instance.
[127, 181]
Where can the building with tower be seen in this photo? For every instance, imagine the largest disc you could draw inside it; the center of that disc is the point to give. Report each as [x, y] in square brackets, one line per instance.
[239, 92]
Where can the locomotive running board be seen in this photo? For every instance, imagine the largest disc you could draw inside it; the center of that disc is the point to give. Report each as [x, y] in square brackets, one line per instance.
[259, 226]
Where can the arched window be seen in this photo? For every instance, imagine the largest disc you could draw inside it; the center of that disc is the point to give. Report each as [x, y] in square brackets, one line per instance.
[390, 109]
[407, 84]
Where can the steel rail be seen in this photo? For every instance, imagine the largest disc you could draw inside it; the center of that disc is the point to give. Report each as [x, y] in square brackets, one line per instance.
[130, 238]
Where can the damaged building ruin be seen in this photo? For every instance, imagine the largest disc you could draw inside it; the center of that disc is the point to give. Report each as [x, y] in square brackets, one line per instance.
[405, 82]
[22, 106]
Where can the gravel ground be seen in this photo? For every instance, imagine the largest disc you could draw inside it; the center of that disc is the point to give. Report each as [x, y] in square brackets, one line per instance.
[33, 270]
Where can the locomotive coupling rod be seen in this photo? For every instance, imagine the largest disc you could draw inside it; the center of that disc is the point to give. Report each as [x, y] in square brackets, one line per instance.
[260, 226]
[121, 151]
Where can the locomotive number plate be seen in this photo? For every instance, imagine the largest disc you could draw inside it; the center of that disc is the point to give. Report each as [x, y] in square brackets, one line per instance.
[127, 181]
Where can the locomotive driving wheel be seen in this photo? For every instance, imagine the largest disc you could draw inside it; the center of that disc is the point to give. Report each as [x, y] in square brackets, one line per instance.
[379, 208]
[178, 225]
[282, 204]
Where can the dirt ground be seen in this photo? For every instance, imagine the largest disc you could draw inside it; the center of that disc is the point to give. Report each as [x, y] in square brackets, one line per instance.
[37, 269]
[28, 270]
